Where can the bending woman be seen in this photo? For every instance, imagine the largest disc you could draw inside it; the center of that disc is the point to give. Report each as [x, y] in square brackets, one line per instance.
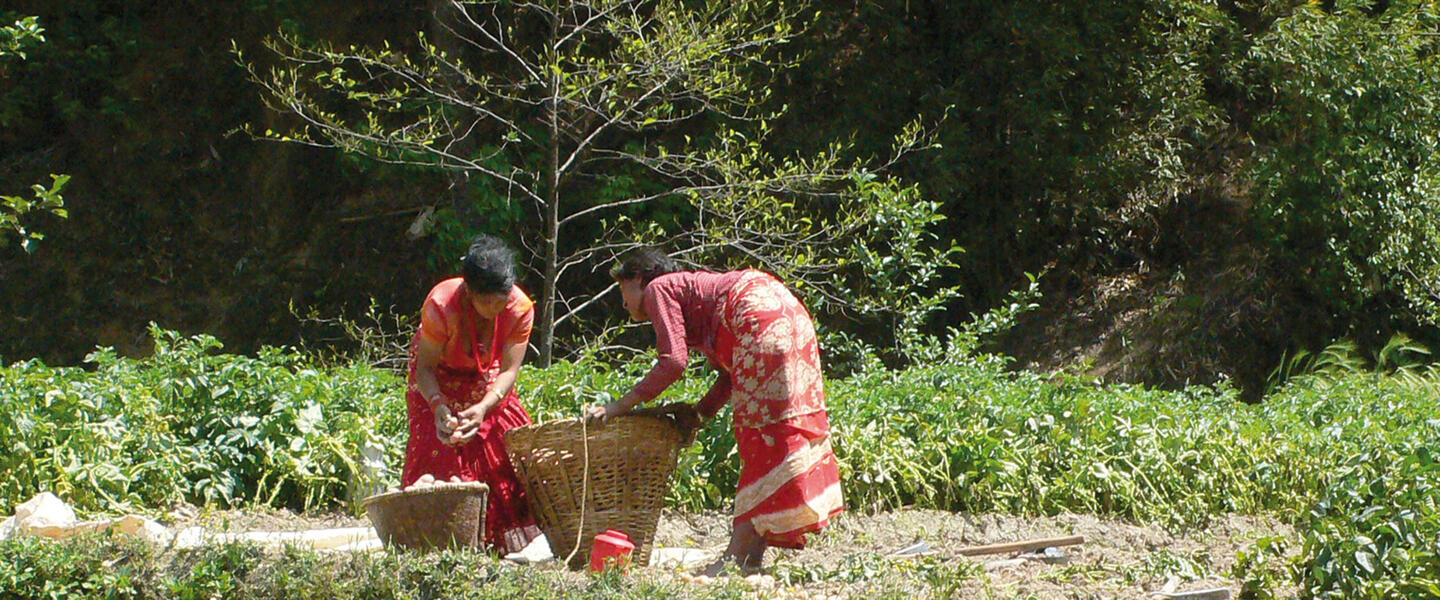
[762, 341]
[461, 395]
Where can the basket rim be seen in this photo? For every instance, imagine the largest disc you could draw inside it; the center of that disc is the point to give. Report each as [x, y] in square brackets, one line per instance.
[593, 429]
[439, 487]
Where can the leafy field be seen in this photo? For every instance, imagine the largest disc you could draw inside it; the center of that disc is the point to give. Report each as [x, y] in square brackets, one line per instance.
[1349, 461]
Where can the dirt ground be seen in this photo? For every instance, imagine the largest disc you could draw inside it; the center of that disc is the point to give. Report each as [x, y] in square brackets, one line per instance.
[1117, 559]
[853, 558]
[261, 519]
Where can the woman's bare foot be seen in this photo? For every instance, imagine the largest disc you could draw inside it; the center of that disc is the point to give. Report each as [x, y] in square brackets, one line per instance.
[714, 569]
[727, 565]
[746, 553]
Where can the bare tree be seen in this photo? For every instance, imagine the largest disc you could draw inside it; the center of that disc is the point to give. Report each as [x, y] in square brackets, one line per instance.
[581, 109]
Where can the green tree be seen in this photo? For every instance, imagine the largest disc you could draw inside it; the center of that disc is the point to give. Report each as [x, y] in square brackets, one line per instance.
[617, 120]
[14, 39]
[1347, 164]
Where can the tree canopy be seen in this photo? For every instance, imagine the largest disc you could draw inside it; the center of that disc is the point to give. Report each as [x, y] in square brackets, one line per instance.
[615, 123]
[1206, 186]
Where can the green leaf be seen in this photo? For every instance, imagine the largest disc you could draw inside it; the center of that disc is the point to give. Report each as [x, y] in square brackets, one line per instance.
[1366, 560]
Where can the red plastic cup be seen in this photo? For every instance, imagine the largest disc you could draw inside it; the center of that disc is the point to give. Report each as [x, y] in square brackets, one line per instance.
[611, 550]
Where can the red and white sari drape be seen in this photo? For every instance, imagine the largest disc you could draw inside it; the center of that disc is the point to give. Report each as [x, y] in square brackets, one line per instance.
[789, 478]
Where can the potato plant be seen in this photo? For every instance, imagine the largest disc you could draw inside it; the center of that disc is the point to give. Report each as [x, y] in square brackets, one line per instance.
[1350, 460]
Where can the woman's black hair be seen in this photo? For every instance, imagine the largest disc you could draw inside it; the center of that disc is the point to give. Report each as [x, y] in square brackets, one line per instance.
[488, 266]
[645, 263]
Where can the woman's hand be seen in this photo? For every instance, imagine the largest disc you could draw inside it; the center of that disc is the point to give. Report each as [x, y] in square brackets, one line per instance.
[445, 423]
[689, 422]
[470, 420]
[598, 414]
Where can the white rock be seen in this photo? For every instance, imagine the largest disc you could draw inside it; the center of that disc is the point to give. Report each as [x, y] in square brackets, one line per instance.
[144, 528]
[189, 537]
[83, 527]
[679, 558]
[534, 553]
[760, 581]
[45, 514]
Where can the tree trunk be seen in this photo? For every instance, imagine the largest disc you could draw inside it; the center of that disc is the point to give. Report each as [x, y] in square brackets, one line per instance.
[552, 214]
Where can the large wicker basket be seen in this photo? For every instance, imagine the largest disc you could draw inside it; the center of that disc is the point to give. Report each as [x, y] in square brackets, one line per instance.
[443, 515]
[630, 462]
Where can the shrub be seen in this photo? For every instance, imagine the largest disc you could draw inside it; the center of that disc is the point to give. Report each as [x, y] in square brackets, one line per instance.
[1349, 458]
[190, 424]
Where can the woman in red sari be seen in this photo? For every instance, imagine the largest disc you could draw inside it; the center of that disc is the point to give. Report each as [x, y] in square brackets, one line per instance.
[762, 341]
[461, 395]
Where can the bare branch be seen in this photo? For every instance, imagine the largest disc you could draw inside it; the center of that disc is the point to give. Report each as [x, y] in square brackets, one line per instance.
[583, 27]
[495, 38]
[610, 73]
[585, 143]
[593, 299]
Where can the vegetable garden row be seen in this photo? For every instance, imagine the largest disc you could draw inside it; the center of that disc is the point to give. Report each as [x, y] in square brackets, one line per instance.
[1351, 461]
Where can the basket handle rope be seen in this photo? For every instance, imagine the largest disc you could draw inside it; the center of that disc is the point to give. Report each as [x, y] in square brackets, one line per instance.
[585, 472]
[584, 485]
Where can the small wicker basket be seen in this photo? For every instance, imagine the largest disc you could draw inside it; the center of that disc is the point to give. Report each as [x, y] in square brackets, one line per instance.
[631, 459]
[443, 515]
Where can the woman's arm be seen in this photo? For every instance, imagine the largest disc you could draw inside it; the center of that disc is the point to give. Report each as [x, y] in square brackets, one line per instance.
[427, 357]
[673, 354]
[511, 357]
[716, 398]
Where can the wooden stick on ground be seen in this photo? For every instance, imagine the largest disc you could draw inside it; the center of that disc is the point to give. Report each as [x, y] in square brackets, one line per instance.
[1022, 546]
[1210, 594]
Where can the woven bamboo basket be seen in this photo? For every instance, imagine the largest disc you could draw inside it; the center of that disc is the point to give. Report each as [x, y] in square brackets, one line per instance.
[443, 515]
[630, 462]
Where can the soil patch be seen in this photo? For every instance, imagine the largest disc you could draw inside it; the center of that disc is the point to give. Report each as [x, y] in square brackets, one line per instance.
[1117, 560]
[262, 519]
[853, 558]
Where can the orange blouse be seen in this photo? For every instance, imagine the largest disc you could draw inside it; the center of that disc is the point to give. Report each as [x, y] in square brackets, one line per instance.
[448, 318]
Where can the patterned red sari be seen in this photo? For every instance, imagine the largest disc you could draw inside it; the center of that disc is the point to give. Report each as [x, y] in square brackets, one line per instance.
[789, 478]
[470, 360]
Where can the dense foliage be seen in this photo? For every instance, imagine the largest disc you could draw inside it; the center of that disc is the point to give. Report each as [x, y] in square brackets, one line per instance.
[1351, 461]
[14, 40]
[1237, 178]
[188, 424]
[1211, 183]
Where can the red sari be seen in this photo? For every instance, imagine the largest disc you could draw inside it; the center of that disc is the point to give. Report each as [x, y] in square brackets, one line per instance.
[763, 342]
[789, 478]
[469, 361]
